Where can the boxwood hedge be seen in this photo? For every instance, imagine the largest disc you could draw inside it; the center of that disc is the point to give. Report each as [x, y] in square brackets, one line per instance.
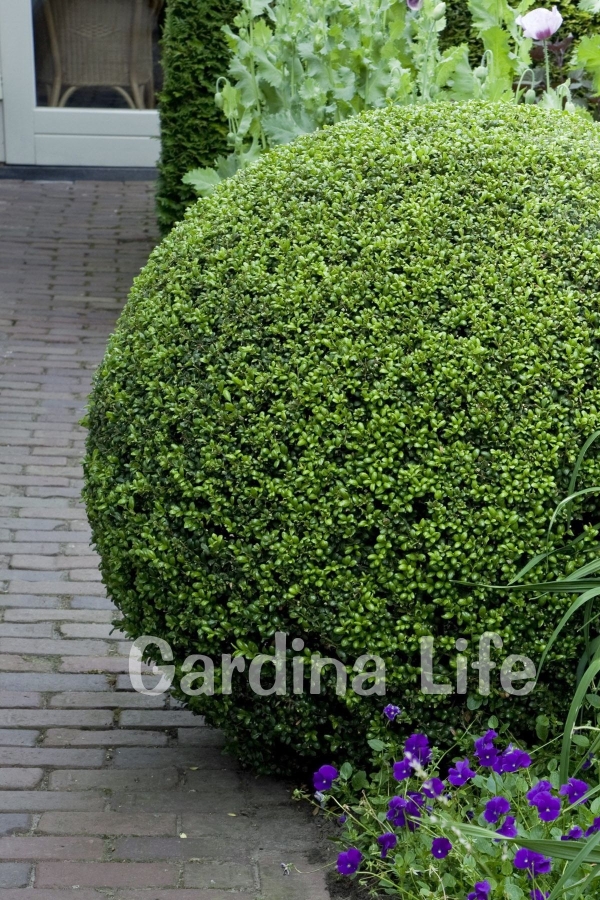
[355, 376]
[193, 131]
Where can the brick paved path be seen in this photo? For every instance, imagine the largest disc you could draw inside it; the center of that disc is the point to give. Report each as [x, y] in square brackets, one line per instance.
[98, 784]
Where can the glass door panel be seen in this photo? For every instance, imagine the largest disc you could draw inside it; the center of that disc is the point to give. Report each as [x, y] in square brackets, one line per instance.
[96, 54]
[80, 80]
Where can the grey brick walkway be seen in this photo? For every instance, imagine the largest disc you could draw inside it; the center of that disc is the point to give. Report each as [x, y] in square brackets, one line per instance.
[103, 792]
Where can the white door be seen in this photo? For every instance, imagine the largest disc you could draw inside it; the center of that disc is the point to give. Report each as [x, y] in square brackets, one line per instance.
[78, 82]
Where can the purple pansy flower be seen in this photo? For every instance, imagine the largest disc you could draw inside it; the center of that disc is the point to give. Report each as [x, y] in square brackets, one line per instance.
[537, 789]
[441, 847]
[574, 834]
[396, 813]
[348, 861]
[500, 763]
[524, 759]
[511, 760]
[487, 756]
[485, 743]
[387, 841]
[537, 894]
[495, 808]
[534, 863]
[588, 762]
[413, 808]
[485, 751]
[481, 892]
[433, 787]
[417, 748]
[391, 712]
[508, 829]
[342, 819]
[460, 773]
[594, 827]
[574, 790]
[324, 778]
[548, 807]
[416, 800]
[402, 770]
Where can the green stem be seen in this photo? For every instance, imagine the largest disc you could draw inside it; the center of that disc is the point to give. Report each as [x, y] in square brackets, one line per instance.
[531, 84]
[547, 63]
[263, 137]
[425, 64]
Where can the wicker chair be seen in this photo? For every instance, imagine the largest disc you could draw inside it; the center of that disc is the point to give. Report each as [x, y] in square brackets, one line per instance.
[99, 43]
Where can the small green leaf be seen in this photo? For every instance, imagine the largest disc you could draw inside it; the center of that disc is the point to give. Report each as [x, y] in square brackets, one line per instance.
[360, 781]
[513, 891]
[204, 181]
[587, 56]
[346, 771]
[590, 6]
[376, 745]
[542, 727]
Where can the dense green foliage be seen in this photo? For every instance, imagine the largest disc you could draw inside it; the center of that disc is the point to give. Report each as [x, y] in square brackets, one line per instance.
[194, 54]
[357, 374]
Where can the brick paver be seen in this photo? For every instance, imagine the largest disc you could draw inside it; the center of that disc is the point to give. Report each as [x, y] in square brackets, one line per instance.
[104, 793]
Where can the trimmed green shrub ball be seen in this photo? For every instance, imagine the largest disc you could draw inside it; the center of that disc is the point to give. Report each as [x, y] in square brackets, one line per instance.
[354, 377]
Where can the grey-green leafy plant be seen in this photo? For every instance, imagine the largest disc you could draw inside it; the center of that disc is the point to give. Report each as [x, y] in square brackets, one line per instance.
[586, 57]
[299, 66]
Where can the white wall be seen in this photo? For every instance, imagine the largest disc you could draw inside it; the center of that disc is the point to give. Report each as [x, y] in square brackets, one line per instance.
[1, 134]
[2, 156]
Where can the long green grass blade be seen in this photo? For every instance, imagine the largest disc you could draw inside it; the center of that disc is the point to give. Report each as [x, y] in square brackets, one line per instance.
[583, 571]
[582, 857]
[595, 873]
[549, 587]
[571, 547]
[565, 753]
[567, 850]
[592, 749]
[582, 453]
[587, 636]
[581, 601]
[560, 849]
[567, 502]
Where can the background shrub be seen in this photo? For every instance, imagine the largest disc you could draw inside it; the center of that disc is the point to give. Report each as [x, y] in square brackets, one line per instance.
[194, 55]
[357, 374]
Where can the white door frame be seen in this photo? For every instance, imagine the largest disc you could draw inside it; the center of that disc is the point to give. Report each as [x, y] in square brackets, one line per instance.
[49, 136]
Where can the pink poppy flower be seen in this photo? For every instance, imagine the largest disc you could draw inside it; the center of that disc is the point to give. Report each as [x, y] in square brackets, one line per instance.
[540, 24]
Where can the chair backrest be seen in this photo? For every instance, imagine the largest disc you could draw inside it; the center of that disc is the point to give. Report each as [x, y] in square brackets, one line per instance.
[100, 42]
